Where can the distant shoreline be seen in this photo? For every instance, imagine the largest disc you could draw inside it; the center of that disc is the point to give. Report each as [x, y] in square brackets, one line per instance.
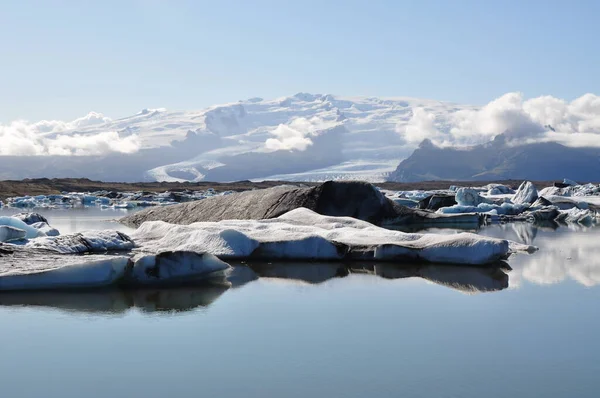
[45, 186]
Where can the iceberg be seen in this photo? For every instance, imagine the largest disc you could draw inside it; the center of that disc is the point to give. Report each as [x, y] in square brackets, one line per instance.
[80, 273]
[527, 193]
[24, 268]
[302, 234]
[175, 268]
[14, 222]
[8, 233]
[469, 197]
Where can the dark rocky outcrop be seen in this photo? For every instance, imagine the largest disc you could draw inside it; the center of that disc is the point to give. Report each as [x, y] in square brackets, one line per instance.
[437, 201]
[498, 160]
[353, 199]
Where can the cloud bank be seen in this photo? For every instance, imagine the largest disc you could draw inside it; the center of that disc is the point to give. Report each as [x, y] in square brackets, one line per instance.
[546, 118]
[47, 138]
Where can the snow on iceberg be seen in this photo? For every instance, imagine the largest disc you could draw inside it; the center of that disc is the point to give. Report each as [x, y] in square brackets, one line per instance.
[302, 234]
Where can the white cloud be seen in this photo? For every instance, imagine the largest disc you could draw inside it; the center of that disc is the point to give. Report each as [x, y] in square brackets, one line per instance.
[546, 118]
[53, 126]
[295, 135]
[504, 115]
[420, 126]
[51, 138]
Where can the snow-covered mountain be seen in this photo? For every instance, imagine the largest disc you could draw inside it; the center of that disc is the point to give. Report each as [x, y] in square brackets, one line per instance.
[303, 137]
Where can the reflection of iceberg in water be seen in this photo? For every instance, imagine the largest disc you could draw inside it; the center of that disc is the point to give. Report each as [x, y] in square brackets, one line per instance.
[568, 252]
[310, 272]
[466, 279]
[525, 231]
[185, 298]
[564, 254]
[117, 301]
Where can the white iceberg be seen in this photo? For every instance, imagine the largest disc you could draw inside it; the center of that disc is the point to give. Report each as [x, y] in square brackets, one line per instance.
[469, 197]
[82, 272]
[30, 232]
[8, 233]
[302, 234]
[527, 193]
[175, 267]
[577, 216]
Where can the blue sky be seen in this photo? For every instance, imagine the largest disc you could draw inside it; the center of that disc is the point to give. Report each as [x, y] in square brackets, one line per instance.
[62, 59]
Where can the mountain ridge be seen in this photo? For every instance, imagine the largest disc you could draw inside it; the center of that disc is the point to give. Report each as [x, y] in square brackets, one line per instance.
[499, 160]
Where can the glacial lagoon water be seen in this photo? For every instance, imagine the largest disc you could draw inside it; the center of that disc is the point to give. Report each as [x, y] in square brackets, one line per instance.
[320, 330]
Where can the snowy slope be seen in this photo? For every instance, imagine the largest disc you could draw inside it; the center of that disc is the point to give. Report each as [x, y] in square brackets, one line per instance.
[302, 137]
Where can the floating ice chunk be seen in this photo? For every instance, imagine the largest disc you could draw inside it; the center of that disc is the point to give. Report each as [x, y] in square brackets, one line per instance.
[8, 233]
[504, 208]
[498, 189]
[552, 191]
[304, 234]
[469, 197]
[125, 205]
[443, 249]
[14, 222]
[45, 228]
[31, 218]
[527, 193]
[566, 181]
[96, 272]
[175, 267]
[577, 216]
[23, 202]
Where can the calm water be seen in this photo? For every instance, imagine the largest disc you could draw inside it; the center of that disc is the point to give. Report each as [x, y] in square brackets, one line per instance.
[318, 330]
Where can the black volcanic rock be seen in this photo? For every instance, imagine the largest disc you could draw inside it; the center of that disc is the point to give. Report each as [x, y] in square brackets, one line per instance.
[497, 160]
[352, 199]
[437, 201]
